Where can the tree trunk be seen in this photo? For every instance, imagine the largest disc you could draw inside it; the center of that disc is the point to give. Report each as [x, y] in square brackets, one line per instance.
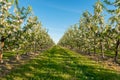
[17, 57]
[89, 52]
[94, 46]
[101, 48]
[34, 47]
[1, 55]
[116, 51]
[1, 48]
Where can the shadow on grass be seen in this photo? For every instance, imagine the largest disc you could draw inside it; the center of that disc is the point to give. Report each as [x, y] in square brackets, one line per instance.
[59, 64]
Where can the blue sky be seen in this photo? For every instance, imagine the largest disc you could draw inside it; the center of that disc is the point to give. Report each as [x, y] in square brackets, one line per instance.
[58, 15]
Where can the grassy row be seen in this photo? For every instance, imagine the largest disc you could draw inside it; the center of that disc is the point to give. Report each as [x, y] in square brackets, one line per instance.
[61, 64]
[9, 54]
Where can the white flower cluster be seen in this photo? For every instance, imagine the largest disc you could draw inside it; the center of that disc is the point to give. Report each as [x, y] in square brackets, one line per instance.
[4, 5]
[1, 0]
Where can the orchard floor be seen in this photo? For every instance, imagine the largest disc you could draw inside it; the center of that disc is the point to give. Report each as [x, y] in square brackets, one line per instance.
[61, 64]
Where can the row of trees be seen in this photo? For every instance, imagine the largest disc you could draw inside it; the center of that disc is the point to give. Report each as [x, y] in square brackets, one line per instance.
[93, 34]
[20, 29]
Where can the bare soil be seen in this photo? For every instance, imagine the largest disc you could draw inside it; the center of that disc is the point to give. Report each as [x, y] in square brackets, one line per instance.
[10, 64]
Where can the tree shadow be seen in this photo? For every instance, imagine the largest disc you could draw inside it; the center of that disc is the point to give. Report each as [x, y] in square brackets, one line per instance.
[49, 66]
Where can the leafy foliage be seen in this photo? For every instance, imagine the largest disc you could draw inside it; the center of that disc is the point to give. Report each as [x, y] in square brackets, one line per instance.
[21, 30]
[93, 34]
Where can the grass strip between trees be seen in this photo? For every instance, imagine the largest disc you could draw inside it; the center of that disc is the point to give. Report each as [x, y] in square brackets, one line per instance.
[61, 64]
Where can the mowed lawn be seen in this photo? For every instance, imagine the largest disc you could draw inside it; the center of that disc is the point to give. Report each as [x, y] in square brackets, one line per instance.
[61, 64]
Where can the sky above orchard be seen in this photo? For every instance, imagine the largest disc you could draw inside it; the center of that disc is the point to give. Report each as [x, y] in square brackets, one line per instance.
[57, 15]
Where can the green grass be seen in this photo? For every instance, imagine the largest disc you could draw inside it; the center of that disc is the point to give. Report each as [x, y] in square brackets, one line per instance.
[61, 64]
[9, 54]
[108, 53]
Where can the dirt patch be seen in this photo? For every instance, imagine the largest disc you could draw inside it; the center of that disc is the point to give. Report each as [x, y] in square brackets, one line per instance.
[107, 62]
[12, 63]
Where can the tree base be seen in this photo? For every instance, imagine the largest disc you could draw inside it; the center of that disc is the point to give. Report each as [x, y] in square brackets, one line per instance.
[1, 56]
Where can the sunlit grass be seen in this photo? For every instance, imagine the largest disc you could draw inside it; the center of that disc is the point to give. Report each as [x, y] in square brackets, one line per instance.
[9, 54]
[62, 64]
